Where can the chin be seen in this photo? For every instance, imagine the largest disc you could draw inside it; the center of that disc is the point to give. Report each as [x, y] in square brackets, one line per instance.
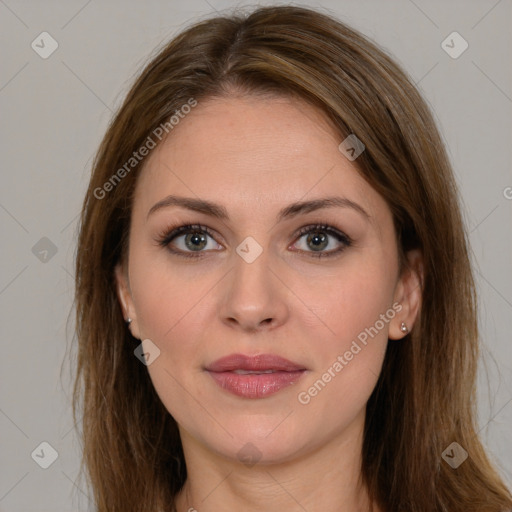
[254, 441]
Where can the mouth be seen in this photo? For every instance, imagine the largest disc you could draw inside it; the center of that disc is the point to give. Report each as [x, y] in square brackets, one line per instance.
[254, 376]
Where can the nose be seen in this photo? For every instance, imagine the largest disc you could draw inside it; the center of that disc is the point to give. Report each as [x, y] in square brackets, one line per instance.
[253, 297]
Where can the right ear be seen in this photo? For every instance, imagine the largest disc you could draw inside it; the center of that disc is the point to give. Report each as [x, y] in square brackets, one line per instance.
[124, 296]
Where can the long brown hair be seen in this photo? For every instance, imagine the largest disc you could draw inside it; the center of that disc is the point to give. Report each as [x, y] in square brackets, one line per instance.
[425, 397]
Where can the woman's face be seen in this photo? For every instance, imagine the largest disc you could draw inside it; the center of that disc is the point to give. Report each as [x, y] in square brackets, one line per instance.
[281, 273]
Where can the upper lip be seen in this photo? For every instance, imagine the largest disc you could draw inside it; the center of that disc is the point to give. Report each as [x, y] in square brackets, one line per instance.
[260, 362]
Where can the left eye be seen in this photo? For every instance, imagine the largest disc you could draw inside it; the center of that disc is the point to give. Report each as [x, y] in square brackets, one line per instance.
[317, 239]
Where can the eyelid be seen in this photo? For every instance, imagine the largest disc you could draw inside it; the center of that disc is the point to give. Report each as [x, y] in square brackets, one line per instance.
[328, 228]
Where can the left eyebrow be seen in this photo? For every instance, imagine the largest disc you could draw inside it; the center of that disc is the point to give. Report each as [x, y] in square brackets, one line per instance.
[317, 204]
[292, 210]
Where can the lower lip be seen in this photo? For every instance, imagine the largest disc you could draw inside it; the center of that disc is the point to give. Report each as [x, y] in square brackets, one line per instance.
[256, 385]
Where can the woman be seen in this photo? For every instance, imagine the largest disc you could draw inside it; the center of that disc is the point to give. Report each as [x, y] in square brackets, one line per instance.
[275, 306]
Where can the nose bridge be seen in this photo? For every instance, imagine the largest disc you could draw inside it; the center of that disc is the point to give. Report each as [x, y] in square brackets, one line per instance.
[252, 277]
[252, 296]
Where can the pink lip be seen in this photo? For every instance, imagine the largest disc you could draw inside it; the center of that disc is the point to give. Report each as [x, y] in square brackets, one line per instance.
[255, 385]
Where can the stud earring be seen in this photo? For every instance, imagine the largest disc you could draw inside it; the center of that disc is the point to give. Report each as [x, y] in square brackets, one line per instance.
[128, 321]
[403, 327]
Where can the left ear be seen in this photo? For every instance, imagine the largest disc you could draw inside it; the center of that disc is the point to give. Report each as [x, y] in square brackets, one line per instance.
[408, 293]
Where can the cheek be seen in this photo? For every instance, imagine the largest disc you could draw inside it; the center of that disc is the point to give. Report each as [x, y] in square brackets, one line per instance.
[171, 312]
[356, 309]
[166, 297]
[347, 302]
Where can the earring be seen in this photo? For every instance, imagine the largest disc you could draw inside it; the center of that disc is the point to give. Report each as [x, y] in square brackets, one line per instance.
[403, 327]
[128, 321]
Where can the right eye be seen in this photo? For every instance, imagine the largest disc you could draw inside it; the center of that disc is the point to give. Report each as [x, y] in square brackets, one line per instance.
[185, 240]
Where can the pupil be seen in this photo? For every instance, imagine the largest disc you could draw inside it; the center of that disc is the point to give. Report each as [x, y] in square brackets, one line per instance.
[196, 239]
[318, 240]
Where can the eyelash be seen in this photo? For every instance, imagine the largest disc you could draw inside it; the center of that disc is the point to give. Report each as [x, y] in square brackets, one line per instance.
[169, 234]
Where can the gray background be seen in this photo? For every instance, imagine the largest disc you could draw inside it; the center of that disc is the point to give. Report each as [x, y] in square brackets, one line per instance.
[54, 114]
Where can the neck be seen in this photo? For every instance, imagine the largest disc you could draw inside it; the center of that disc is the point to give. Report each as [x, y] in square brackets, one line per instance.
[328, 478]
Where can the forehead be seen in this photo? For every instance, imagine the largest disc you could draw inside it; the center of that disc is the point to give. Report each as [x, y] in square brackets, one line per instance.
[251, 153]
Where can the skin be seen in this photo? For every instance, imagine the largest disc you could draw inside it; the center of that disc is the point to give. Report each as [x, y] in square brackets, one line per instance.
[255, 156]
